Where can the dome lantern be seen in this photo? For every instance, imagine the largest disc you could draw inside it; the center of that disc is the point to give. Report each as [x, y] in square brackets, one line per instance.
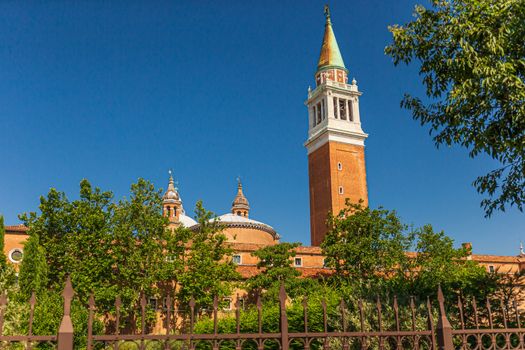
[240, 205]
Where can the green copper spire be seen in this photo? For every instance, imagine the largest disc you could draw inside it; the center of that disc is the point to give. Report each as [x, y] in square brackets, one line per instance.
[330, 54]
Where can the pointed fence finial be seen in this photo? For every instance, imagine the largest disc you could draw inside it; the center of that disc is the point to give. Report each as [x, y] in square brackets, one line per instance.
[65, 332]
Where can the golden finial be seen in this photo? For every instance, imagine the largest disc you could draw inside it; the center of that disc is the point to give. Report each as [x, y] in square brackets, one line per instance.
[327, 11]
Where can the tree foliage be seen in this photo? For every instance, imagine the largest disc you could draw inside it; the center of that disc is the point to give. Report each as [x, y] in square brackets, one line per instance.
[123, 248]
[33, 270]
[366, 245]
[472, 60]
[208, 270]
[370, 252]
[275, 267]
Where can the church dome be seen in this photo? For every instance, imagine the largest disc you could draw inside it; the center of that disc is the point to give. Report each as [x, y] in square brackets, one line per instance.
[240, 229]
[187, 221]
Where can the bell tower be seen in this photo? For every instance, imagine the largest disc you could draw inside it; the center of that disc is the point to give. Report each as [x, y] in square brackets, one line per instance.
[335, 145]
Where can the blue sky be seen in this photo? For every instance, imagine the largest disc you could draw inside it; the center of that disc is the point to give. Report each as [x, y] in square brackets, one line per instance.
[114, 91]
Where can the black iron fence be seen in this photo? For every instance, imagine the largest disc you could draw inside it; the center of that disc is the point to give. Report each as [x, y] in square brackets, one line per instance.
[477, 331]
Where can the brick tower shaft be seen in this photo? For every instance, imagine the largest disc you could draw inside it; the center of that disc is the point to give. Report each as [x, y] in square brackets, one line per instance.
[335, 145]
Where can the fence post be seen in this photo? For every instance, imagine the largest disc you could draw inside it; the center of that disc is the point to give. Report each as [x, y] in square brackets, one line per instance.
[65, 332]
[443, 329]
[284, 318]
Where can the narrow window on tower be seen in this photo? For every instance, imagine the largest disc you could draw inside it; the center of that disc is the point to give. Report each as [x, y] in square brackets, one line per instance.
[351, 110]
[314, 113]
[341, 191]
[319, 113]
[342, 109]
[339, 166]
[323, 109]
[335, 107]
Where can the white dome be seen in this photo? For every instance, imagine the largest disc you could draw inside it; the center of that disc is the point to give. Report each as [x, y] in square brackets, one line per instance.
[187, 221]
[238, 218]
[233, 220]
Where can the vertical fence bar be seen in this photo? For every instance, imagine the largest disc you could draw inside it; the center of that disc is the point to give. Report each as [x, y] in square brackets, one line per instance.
[215, 322]
[142, 321]
[516, 310]
[168, 322]
[444, 330]
[398, 326]
[238, 322]
[192, 323]
[305, 318]
[431, 324]
[342, 306]
[32, 303]
[325, 325]
[3, 304]
[503, 313]
[415, 339]
[284, 318]
[65, 332]
[118, 303]
[489, 311]
[260, 344]
[90, 322]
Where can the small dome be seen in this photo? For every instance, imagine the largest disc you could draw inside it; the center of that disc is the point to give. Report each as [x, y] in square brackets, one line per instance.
[187, 221]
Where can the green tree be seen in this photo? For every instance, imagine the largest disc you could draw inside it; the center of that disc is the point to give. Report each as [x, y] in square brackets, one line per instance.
[107, 248]
[371, 251]
[275, 267]
[208, 269]
[437, 262]
[472, 60]
[3, 260]
[366, 246]
[33, 270]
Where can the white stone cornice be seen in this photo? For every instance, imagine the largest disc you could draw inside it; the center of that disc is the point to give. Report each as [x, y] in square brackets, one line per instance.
[326, 135]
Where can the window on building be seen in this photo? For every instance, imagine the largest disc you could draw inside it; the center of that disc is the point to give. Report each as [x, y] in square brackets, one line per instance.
[319, 113]
[16, 255]
[227, 304]
[339, 166]
[325, 264]
[323, 109]
[298, 262]
[342, 109]
[350, 110]
[491, 269]
[341, 191]
[236, 259]
[335, 108]
[313, 117]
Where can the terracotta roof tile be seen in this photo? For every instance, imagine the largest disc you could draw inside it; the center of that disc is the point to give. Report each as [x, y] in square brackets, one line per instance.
[17, 228]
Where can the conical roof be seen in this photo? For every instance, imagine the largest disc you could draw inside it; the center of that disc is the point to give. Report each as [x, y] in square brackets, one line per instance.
[171, 195]
[330, 55]
[240, 203]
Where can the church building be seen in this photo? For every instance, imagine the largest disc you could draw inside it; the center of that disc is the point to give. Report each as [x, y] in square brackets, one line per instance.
[335, 147]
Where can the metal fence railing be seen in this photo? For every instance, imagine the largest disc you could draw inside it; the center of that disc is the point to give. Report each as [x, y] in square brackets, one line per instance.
[479, 330]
